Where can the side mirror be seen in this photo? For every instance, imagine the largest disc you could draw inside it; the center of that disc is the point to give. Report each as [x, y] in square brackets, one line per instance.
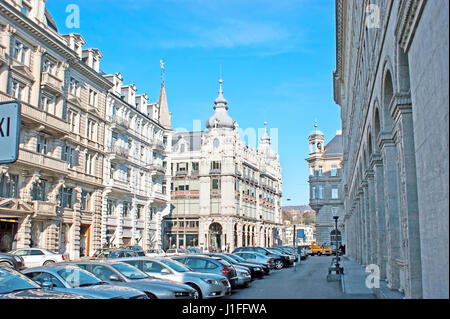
[165, 271]
[47, 285]
[114, 278]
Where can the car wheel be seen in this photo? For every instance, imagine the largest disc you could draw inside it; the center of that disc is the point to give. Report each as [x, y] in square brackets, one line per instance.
[197, 289]
[150, 295]
[48, 263]
[319, 253]
[279, 264]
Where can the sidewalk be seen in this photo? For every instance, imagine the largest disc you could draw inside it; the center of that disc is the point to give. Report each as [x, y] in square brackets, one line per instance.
[353, 281]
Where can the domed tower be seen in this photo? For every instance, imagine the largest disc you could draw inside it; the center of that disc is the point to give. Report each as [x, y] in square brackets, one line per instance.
[220, 118]
[264, 145]
[316, 140]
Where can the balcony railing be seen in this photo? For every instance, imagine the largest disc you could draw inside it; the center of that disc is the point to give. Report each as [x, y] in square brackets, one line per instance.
[43, 161]
[44, 209]
[3, 57]
[120, 122]
[119, 150]
[52, 83]
[215, 171]
[181, 172]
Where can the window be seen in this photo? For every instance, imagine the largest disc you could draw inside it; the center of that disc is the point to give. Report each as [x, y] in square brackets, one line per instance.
[74, 122]
[38, 191]
[92, 130]
[215, 166]
[102, 272]
[75, 88]
[8, 186]
[182, 148]
[47, 104]
[126, 209]
[65, 195]
[320, 170]
[334, 192]
[110, 207]
[25, 9]
[313, 192]
[21, 52]
[18, 90]
[215, 184]
[89, 164]
[150, 266]
[68, 155]
[49, 67]
[41, 145]
[333, 171]
[85, 200]
[320, 192]
[93, 98]
[139, 211]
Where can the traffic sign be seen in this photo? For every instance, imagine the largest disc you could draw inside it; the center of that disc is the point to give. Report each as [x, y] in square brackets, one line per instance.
[9, 131]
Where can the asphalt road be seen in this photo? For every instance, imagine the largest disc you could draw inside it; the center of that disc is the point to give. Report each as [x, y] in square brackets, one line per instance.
[308, 281]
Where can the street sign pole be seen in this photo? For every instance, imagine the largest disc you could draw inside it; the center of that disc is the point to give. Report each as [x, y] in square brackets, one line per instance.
[10, 122]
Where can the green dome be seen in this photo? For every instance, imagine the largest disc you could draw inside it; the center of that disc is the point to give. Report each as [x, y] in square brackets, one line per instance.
[316, 131]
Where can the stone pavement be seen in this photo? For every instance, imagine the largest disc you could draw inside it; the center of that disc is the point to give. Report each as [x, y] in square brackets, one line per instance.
[353, 281]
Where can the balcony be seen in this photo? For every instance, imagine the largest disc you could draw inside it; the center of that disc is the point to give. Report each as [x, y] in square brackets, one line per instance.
[159, 145]
[44, 209]
[119, 185]
[159, 196]
[157, 168]
[181, 173]
[119, 123]
[42, 161]
[215, 171]
[118, 152]
[47, 122]
[51, 83]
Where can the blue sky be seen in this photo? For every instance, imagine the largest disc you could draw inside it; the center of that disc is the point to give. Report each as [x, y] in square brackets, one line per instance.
[277, 60]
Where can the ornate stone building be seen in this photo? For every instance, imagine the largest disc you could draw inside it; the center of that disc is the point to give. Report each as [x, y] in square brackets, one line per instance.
[135, 196]
[51, 196]
[325, 174]
[224, 193]
[391, 82]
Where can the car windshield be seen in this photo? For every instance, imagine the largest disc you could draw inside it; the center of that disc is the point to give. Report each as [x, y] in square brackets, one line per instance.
[11, 281]
[76, 277]
[237, 258]
[129, 272]
[175, 265]
[227, 258]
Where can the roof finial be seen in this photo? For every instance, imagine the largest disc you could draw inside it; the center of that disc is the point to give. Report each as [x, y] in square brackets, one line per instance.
[315, 124]
[163, 71]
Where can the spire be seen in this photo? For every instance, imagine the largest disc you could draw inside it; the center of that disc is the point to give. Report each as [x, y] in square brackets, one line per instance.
[265, 138]
[316, 132]
[220, 118]
[164, 114]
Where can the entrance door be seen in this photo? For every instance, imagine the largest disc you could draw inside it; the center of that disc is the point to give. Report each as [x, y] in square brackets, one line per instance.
[215, 236]
[85, 240]
[8, 231]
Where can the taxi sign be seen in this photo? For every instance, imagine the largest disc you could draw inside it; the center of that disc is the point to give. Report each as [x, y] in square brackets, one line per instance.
[9, 131]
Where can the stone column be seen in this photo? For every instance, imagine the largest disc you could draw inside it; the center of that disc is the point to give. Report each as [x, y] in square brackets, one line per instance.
[389, 153]
[367, 243]
[75, 235]
[369, 175]
[409, 209]
[104, 217]
[24, 232]
[133, 222]
[380, 220]
[97, 221]
[239, 235]
[118, 240]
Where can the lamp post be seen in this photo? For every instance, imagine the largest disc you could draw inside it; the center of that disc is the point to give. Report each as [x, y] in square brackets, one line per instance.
[338, 268]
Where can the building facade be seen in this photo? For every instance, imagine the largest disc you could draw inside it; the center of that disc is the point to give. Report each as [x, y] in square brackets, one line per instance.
[61, 193]
[326, 195]
[51, 197]
[391, 82]
[224, 194]
[305, 235]
[135, 196]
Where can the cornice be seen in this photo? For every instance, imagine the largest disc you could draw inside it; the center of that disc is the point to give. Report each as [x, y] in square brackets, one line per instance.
[46, 37]
[410, 12]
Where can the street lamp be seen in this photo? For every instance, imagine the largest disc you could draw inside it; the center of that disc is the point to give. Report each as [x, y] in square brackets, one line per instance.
[338, 268]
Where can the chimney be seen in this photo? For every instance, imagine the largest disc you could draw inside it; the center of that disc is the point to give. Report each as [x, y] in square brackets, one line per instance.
[91, 58]
[129, 94]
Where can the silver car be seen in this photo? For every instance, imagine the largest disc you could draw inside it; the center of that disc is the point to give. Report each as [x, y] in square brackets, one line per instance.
[243, 276]
[207, 285]
[122, 274]
[256, 257]
[72, 279]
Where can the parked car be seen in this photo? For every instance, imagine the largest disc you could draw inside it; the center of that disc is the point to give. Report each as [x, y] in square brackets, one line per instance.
[317, 249]
[256, 257]
[136, 248]
[175, 251]
[155, 252]
[112, 253]
[72, 279]
[279, 260]
[265, 266]
[207, 264]
[207, 285]
[14, 285]
[288, 256]
[10, 260]
[243, 277]
[35, 257]
[193, 251]
[256, 271]
[118, 273]
[292, 250]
